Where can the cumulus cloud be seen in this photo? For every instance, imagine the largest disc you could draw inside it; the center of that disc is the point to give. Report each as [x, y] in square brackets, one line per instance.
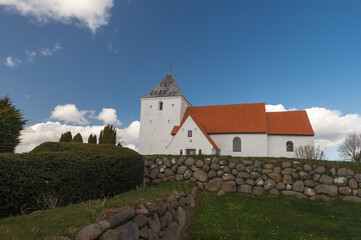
[331, 126]
[109, 116]
[275, 108]
[69, 113]
[11, 62]
[51, 131]
[50, 51]
[89, 13]
[31, 55]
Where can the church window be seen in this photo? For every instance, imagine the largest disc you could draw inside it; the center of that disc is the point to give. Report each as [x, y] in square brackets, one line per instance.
[168, 121]
[172, 104]
[200, 151]
[190, 133]
[181, 152]
[289, 146]
[160, 106]
[236, 144]
[150, 106]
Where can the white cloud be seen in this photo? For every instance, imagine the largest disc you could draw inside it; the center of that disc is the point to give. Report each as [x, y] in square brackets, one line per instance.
[11, 62]
[31, 55]
[331, 126]
[109, 116]
[113, 49]
[51, 131]
[129, 136]
[69, 113]
[89, 13]
[275, 108]
[50, 51]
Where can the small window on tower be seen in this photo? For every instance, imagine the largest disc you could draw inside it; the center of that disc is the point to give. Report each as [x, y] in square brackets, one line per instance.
[190, 133]
[172, 104]
[150, 106]
[160, 106]
[150, 122]
[168, 121]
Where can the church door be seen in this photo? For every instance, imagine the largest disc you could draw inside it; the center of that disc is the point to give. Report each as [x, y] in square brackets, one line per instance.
[191, 152]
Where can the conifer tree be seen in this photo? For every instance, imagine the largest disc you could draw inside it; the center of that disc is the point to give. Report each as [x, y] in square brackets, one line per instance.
[92, 139]
[66, 137]
[77, 138]
[108, 135]
[11, 123]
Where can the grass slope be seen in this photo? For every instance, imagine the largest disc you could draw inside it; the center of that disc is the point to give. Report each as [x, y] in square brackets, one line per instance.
[66, 221]
[239, 217]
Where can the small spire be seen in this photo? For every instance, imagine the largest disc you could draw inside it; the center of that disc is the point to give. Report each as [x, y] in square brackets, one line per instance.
[171, 65]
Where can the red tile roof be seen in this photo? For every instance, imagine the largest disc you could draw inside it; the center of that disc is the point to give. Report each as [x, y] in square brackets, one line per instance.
[236, 118]
[247, 118]
[289, 123]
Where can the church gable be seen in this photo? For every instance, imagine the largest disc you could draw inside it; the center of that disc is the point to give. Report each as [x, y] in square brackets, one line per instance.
[191, 136]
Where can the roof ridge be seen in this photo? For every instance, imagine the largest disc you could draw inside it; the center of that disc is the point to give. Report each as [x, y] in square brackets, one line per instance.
[234, 104]
[287, 111]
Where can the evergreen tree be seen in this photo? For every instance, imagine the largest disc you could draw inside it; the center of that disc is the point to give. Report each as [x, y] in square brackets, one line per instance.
[11, 123]
[108, 135]
[77, 138]
[66, 137]
[92, 139]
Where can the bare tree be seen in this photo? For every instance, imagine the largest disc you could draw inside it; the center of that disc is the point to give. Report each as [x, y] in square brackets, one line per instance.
[351, 147]
[310, 152]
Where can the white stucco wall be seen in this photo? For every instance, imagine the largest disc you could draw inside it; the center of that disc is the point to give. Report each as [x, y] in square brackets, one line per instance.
[182, 141]
[156, 125]
[252, 144]
[277, 144]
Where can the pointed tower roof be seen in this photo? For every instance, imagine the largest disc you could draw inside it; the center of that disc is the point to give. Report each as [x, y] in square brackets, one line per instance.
[168, 87]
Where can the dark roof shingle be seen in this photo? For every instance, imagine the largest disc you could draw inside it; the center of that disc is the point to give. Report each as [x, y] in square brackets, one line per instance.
[166, 88]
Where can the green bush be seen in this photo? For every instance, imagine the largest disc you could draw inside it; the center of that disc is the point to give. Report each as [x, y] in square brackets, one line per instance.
[69, 171]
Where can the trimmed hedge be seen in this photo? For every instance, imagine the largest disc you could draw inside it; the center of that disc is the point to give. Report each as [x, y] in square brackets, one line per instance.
[74, 172]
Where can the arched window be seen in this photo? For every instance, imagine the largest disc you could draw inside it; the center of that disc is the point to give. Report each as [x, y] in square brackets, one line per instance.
[181, 152]
[200, 151]
[236, 144]
[289, 146]
[160, 106]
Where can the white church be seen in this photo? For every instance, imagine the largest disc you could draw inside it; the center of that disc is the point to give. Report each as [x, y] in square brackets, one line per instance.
[169, 124]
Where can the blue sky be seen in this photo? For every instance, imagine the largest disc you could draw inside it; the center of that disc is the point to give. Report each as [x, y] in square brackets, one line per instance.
[301, 54]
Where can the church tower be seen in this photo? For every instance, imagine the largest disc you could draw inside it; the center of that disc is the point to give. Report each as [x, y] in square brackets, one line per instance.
[161, 110]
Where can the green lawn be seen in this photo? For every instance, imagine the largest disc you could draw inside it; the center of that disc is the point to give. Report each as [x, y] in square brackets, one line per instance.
[66, 221]
[238, 217]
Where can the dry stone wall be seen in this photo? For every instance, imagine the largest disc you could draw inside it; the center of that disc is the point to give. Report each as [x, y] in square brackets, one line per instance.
[292, 178]
[152, 220]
